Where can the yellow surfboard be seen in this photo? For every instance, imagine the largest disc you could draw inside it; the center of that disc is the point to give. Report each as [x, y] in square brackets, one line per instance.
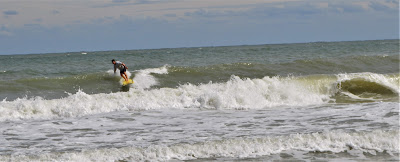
[130, 81]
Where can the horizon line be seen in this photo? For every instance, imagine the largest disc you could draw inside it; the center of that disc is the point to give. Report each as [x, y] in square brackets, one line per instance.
[209, 46]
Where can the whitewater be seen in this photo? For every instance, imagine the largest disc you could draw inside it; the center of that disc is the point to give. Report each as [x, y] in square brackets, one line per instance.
[239, 94]
[314, 101]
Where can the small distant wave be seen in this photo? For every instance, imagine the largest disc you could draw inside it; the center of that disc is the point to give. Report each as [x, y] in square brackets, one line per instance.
[381, 64]
[357, 144]
[351, 64]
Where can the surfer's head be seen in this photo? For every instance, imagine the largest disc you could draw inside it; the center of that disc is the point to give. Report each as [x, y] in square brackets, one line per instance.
[113, 61]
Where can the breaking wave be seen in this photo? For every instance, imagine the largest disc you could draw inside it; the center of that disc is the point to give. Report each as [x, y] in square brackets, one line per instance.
[237, 93]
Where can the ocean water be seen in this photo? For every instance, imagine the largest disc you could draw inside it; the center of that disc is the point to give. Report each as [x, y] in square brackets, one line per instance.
[323, 101]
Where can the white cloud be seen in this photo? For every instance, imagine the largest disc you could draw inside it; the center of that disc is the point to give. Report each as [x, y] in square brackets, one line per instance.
[63, 12]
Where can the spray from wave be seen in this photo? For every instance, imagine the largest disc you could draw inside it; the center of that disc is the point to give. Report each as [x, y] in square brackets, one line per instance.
[144, 79]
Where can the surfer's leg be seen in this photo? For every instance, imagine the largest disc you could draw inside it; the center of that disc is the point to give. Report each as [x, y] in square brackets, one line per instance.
[123, 75]
[126, 77]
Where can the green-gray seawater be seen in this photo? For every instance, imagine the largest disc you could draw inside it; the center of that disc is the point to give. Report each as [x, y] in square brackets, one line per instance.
[286, 102]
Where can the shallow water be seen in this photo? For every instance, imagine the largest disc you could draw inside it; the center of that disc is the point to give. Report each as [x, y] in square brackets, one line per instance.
[173, 128]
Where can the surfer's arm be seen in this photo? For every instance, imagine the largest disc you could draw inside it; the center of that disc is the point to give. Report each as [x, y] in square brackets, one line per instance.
[125, 66]
[115, 69]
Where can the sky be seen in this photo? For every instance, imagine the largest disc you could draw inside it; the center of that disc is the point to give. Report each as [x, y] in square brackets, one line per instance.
[52, 26]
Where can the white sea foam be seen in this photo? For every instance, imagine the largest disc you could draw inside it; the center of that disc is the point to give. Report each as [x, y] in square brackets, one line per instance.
[355, 144]
[143, 78]
[357, 97]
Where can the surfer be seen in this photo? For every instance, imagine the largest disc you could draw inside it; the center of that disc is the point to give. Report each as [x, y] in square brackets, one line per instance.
[122, 69]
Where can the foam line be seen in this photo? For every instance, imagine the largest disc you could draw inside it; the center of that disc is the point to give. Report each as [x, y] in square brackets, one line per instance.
[334, 141]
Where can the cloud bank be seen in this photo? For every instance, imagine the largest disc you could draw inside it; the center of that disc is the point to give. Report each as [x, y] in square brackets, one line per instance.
[136, 24]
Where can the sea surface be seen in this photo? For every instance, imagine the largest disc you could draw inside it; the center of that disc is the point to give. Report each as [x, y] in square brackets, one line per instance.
[322, 101]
